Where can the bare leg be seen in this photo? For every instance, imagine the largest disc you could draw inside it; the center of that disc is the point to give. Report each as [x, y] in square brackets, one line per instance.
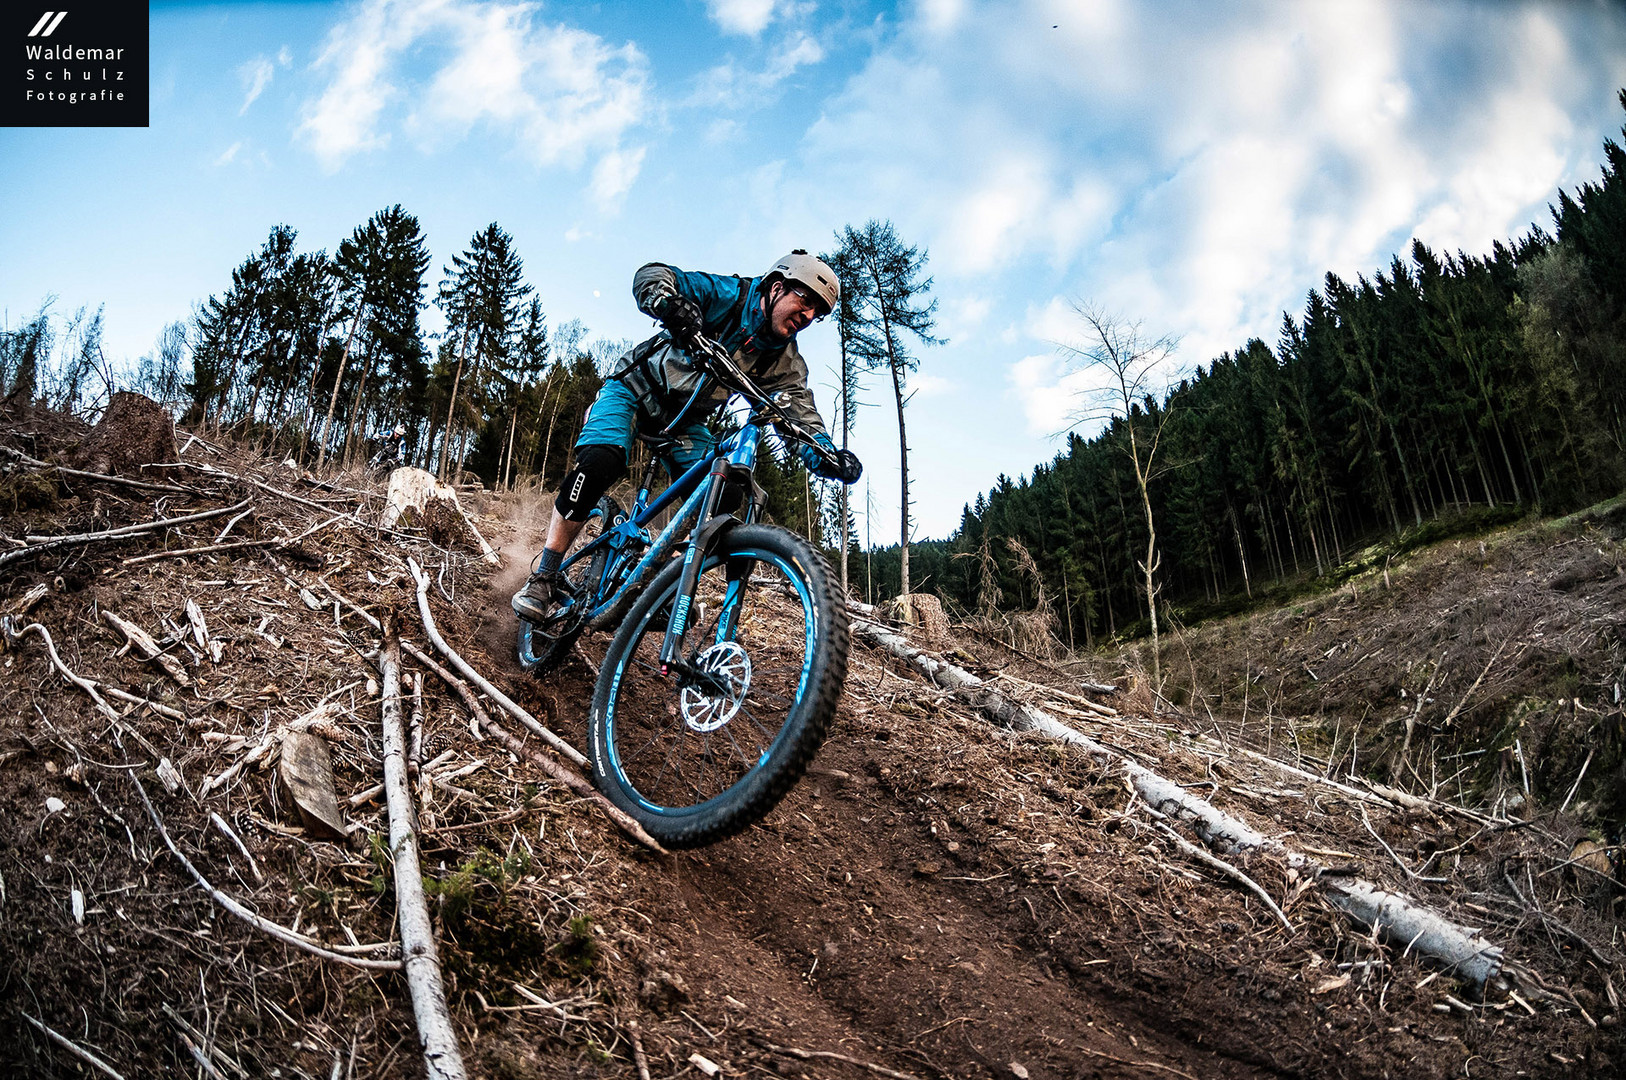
[561, 531]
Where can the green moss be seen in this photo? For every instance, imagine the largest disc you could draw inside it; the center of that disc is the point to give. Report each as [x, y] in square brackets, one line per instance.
[28, 490]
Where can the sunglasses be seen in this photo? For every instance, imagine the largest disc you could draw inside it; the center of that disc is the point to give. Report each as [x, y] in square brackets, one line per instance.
[811, 302]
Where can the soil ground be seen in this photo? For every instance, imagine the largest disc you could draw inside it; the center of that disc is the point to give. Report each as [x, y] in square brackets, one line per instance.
[937, 898]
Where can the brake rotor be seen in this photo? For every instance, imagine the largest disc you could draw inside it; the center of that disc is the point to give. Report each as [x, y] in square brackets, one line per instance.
[728, 664]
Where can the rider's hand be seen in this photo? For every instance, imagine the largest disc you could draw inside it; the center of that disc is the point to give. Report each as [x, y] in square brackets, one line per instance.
[680, 315]
[846, 468]
[832, 464]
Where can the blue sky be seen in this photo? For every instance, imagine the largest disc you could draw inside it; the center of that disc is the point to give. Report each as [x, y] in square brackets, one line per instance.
[1194, 166]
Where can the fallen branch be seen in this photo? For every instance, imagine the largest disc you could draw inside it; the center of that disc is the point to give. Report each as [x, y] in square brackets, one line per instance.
[136, 636]
[75, 1049]
[419, 957]
[13, 634]
[458, 686]
[512, 707]
[276, 930]
[574, 781]
[1209, 859]
[276, 545]
[37, 544]
[1399, 920]
[279, 932]
[105, 478]
[638, 1057]
[829, 1055]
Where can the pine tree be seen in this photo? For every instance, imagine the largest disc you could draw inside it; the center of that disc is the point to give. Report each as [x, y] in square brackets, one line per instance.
[481, 293]
[889, 308]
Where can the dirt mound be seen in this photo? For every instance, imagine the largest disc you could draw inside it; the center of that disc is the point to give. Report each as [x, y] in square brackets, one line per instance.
[133, 433]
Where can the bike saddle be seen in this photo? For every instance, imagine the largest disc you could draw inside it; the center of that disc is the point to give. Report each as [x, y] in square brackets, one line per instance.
[660, 444]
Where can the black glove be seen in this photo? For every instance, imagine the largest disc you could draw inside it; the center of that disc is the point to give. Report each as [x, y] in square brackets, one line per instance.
[680, 315]
[846, 468]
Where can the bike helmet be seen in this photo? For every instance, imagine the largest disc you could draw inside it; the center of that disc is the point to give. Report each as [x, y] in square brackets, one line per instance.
[400, 429]
[809, 272]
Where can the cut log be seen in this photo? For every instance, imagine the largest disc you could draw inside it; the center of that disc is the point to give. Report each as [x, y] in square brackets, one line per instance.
[307, 773]
[148, 648]
[414, 489]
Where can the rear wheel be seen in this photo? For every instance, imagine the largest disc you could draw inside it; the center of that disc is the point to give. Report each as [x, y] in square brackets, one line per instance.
[542, 647]
[699, 752]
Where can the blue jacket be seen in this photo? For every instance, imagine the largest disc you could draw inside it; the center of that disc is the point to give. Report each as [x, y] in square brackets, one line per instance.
[662, 375]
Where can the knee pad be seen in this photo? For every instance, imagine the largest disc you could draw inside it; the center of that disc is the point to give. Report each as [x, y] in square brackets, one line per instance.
[596, 468]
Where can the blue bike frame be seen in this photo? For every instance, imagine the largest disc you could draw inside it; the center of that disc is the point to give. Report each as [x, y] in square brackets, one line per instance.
[693, 489]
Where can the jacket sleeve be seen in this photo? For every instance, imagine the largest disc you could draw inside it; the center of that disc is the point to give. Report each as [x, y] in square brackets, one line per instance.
[714, 293]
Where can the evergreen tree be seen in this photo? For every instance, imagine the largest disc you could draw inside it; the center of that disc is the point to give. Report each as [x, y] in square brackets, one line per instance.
[890, 307]
[481, 293]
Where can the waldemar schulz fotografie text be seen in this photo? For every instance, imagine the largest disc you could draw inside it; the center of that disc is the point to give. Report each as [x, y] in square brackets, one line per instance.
[83, 66]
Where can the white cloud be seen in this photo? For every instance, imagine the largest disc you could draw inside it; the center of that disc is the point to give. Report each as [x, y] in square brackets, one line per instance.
[926, 384]
[729, 86]
[1050, 393]
[256, 76]
[1201, 169]
[229, 155]
[614, 174]
[746, 17]
[440, 69]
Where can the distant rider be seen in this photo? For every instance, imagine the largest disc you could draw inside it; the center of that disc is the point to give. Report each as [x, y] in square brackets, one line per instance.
[393, 451]
[755, 319]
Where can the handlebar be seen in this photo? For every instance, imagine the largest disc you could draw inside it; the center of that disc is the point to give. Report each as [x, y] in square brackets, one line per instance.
[713, 359]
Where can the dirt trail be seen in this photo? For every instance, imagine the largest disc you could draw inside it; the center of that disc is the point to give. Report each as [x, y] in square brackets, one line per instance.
[938, 898]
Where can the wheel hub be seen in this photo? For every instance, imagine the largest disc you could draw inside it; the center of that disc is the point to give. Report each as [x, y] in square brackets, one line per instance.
[729, 668]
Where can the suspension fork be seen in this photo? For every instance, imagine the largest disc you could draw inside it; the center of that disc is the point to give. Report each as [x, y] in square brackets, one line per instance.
[706, 526]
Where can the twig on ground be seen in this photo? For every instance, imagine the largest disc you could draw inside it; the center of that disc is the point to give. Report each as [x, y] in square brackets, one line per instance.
[230, 834]
[46, 543]
[104, 478]
[638, 1058]
[572, 781]
[512, 707]
[279, 932]
[1209, 859]
[276, 930]
[75, 1049]
[828, 1055]
[1577, 785]
[1452, 715]
[276, 545]
[1410, 873]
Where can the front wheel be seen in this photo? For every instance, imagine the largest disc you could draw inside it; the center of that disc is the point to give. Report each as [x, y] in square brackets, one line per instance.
[697, 753]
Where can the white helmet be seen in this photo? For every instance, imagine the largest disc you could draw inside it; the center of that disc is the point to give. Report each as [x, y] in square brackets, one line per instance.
[812, 273]
[400, 429]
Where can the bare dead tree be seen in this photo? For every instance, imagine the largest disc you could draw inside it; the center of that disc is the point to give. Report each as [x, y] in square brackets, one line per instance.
[1128, 371]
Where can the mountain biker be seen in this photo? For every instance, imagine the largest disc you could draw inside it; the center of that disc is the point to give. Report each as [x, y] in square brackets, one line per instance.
[393, 449]
[755, 319]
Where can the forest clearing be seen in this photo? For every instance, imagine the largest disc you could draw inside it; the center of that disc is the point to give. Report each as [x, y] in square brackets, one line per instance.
[976, 878]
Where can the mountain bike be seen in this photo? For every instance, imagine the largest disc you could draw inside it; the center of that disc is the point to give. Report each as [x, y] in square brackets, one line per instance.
[723, 677]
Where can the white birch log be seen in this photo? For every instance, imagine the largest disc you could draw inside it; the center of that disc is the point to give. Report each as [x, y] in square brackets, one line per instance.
[441, 1056]
[1397, 919]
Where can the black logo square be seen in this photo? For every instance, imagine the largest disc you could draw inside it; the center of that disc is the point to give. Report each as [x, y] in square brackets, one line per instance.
[82, 64]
